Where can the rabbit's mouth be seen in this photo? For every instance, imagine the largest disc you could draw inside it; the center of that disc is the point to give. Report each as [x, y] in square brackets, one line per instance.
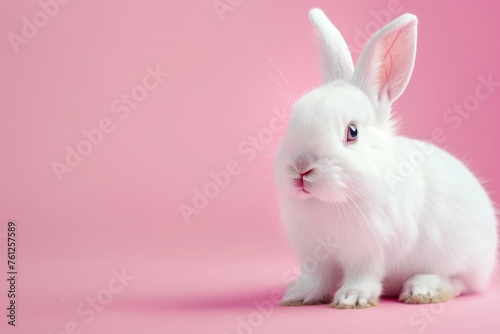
[300, 186]
[301, 194]
[305, 191]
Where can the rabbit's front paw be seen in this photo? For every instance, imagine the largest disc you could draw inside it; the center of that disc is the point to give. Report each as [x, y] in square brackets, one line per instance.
[425, 289]
[354, 297]
[304, 302]
[307, 290]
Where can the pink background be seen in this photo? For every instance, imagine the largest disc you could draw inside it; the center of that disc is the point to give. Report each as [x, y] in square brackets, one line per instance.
[119, 208]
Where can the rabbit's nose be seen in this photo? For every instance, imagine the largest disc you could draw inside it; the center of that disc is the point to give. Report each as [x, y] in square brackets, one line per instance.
[306, 172]
[299, 182]
[303, 165]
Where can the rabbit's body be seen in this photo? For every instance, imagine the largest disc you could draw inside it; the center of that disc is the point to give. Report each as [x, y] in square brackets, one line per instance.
[401, 216]
[448, 229]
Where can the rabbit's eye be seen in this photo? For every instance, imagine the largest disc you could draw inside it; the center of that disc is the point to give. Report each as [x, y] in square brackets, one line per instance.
[351, 133]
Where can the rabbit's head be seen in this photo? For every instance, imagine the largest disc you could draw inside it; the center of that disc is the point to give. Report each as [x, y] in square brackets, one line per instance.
[339, 136]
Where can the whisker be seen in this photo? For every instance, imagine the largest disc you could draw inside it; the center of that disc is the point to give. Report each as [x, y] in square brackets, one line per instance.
[276, 67]
[274, 205]
[362, 225]
[288, 98]
[290, 104]
[257, 184]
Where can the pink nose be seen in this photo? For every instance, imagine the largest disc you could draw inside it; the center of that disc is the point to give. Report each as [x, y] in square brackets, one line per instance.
[302, 164]
[299, 182]
[306, 172]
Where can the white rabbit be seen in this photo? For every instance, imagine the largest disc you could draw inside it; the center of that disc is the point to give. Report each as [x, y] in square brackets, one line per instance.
[427, 238]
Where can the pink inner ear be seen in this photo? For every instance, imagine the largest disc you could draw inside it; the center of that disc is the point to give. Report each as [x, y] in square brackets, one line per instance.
[387, 63]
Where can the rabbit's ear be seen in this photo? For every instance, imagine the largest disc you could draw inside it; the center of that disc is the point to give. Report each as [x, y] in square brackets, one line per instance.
[385, 64]
[337, 60]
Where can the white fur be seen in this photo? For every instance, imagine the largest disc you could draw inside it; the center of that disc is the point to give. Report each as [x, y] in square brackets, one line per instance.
[339, 63]
[436, 222]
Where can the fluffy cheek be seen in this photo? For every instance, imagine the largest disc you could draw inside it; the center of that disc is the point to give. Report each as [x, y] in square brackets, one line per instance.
[329, 186]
